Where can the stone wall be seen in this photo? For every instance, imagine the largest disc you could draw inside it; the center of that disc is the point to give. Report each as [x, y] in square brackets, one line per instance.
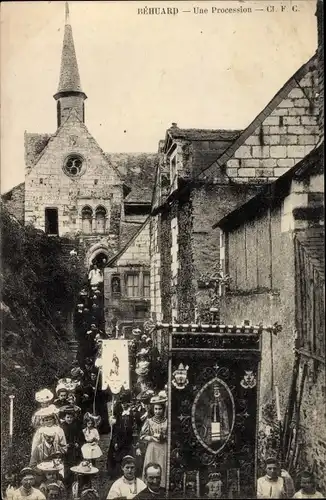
[133, 259]
[155, 263]
[47, 186]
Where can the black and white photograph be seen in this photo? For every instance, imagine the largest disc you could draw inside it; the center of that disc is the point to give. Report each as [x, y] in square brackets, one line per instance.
[162, 250]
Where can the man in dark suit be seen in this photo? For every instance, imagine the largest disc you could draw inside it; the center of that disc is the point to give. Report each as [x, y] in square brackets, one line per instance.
[153, 473]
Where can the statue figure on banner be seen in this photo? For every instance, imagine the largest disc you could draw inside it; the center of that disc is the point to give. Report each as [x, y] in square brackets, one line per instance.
[212, 418]
[115, 365]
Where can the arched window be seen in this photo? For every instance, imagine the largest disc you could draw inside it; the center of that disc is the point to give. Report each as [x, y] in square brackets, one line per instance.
[100, 219]
[87, 216]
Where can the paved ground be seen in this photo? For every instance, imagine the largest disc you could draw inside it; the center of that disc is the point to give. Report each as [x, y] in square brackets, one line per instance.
[102, 482]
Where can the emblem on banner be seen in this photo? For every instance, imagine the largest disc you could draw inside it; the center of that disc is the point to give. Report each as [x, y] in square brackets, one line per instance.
[180, 377]
[249, 380]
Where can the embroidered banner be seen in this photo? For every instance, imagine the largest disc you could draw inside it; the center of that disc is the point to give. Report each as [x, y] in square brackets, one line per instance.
[115, 365]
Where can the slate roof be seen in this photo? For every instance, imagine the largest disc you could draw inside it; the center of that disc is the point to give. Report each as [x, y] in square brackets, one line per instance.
[69, 73]
[198, 134]
[136, 232]
[312, 240]
[222, 159]
[312, 164]
[34, 145]
[138, 172]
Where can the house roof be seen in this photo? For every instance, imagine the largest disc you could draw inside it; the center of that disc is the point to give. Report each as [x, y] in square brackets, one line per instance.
[138, 172]
[312, 164]
[258, 120]
[112, 261]
[313, 242]
[199, 134]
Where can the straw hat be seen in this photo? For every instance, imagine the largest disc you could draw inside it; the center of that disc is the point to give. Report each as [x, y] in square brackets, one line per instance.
[85, 467]
[48, 431]
[50, 466]
[27, 471]
[136, 332]
[89, 493]
[142, 352]
[65, 384]
[145, 395]
[77, 372]
[68, 410]
[159, 399]
[48, 411]
[44, 396]
[142, 368]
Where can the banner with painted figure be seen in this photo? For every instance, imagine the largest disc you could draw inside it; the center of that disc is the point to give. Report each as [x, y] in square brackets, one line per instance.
[115, 365]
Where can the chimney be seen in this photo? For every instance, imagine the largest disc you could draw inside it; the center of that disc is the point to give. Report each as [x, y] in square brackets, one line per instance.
[320, 63]
[174, 125]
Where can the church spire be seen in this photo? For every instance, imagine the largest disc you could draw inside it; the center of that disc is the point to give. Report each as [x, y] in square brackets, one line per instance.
[69, 94]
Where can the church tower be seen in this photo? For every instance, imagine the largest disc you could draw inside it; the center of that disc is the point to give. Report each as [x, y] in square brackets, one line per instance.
[69, 94]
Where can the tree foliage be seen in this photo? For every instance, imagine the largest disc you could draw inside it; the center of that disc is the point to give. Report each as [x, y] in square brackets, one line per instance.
[40, 282]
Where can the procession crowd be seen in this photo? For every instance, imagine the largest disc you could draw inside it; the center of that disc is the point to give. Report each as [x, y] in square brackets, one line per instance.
[72, 416]
[75, 413]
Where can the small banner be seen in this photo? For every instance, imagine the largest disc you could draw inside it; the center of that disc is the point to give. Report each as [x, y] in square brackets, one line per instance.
[115, 365]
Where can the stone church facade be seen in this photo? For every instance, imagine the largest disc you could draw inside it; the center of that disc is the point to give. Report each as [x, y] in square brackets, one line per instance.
[74, 189]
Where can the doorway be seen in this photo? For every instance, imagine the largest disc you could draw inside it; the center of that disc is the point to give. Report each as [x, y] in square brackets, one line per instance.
[51, 221]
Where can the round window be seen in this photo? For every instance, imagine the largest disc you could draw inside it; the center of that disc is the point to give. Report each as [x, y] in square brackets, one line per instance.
[73, 165]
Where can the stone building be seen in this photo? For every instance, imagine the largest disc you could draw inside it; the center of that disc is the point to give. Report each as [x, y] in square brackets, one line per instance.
[273, 249]
[205, 174]
[72, 187]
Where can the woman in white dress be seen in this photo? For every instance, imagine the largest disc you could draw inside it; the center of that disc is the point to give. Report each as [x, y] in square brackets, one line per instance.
[154, 432]
[91, 449]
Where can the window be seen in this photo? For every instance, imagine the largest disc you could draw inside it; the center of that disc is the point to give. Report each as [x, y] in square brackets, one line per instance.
[87, 216]
[132, 285]
[51, 221]
[146, 285]
[73, 165]
[100, 219]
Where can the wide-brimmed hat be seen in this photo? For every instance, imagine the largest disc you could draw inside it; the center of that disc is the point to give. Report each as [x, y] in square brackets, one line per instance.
[96, 419]
[68, 410]
[48, 411]
[27, 471]
[85, 467]
[49, 431]
[159, 399]
[77, 372]
[142, 368]
[44, 396]
[136, 332]
[89, 493]
[50, 466]
[145, 395]
[66, 384]
[142, 352]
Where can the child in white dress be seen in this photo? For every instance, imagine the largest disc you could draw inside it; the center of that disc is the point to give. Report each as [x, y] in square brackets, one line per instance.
[91, 449]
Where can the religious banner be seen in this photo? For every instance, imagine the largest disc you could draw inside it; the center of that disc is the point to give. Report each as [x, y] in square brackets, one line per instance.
[213, 413]
[115, 365]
